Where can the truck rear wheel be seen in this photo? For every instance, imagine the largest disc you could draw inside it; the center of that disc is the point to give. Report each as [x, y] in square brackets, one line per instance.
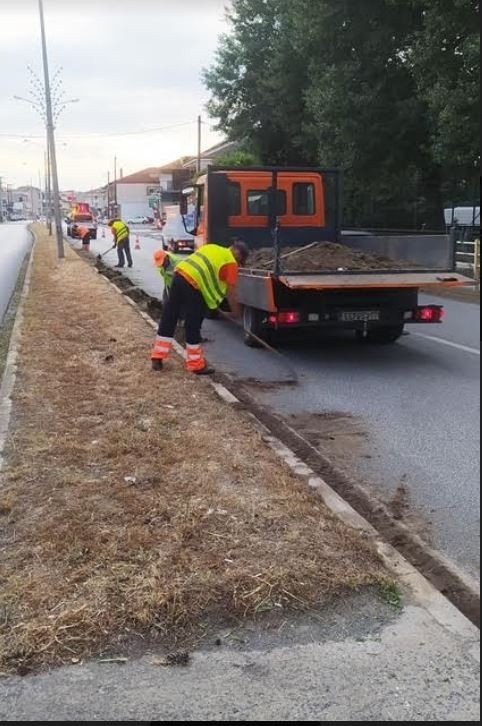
[252, 322]
[385, 335]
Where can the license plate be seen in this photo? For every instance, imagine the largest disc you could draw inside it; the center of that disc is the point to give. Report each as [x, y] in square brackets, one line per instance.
[364, 316]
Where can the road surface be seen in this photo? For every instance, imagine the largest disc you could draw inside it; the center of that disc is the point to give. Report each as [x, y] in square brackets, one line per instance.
[413, 406]
[15, 241]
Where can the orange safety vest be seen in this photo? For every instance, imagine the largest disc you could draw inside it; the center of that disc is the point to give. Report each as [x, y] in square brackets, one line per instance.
[83, 232]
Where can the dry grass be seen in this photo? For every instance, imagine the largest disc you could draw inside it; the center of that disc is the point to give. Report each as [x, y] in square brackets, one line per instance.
[134, 502]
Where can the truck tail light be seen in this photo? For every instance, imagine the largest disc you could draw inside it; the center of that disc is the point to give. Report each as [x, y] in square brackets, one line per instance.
[285, 318]
[430, 314]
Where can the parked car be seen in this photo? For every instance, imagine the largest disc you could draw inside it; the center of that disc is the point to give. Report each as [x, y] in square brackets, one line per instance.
[139, 219]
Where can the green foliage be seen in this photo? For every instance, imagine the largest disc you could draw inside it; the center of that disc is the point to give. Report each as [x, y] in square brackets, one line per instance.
[241, 157]
[387, 90]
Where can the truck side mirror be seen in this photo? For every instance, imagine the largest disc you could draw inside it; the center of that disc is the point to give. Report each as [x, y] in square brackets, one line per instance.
[183, 205]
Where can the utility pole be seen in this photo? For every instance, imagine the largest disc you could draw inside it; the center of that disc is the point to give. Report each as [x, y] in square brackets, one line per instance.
[109, 212]
[49, 190]
[199, 135]
[51, 138]
[1, 200]
[115, 186]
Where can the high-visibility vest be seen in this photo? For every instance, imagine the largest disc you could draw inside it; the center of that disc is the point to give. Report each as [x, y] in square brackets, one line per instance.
[204, 267]
[167, 262]
[121, 231]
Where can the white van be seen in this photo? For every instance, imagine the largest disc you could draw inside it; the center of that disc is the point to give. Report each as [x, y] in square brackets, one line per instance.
[174, 236]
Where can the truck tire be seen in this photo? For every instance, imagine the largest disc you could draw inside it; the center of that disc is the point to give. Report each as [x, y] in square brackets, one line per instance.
[385, 335]
[252, 319]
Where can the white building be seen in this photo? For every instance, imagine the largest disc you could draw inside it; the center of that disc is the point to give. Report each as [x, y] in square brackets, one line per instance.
[135, 195]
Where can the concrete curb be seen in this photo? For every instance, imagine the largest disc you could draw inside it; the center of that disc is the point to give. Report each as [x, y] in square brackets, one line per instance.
[10, 372]
[423, 592]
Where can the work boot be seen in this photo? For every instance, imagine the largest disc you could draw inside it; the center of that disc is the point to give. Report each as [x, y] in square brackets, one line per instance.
[157, 365]
[119, 267]
[206, 371]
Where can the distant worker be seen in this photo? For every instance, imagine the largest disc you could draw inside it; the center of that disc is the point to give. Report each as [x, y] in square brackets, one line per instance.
[200, 281]
[121, 232]
[84, 236]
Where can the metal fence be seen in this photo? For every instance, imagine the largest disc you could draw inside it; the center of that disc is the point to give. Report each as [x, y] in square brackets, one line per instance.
[468, 258]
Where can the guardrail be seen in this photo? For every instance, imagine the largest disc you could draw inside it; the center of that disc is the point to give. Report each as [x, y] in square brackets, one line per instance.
[468, 258]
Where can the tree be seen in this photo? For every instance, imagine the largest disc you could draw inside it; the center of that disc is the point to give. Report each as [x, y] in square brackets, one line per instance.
[257, 83]
[360, 86]
[446, 67]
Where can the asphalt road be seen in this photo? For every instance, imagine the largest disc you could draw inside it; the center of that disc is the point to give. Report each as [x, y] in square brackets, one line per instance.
[14, 244]
[416, 403]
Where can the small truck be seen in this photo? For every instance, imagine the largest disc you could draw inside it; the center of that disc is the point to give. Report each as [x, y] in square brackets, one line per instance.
[283, 208]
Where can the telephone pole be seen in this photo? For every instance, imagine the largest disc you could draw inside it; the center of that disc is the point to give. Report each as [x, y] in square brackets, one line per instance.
[51, 138]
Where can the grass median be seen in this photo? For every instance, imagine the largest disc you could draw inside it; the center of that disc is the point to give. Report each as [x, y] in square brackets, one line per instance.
[134, 502]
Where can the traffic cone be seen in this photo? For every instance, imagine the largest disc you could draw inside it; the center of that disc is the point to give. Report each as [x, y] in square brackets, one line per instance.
[138, 243]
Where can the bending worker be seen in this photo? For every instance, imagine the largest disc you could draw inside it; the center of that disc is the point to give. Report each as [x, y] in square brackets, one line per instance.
[120, 230]
[84, 236]
[200, 281]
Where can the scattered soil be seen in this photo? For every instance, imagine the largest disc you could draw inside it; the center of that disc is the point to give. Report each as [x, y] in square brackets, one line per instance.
[139, 503]
[324, 256]
[344, 440]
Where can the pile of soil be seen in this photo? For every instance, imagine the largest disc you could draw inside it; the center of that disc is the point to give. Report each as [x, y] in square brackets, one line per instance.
[322, 257]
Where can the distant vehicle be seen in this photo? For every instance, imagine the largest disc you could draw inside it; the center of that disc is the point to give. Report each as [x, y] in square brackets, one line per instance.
[174, 236]
[462, 216]
[140, 219]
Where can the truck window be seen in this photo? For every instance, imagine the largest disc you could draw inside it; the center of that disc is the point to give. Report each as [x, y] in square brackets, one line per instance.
[304, 202]
[258, 203]
[234, 199]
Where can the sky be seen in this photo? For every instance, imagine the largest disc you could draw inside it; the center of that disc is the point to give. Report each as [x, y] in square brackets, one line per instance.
[133, 65]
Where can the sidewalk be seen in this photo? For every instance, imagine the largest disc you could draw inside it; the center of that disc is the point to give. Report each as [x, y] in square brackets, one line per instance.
[140, 515]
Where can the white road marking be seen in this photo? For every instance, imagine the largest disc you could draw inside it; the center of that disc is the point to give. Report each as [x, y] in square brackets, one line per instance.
[449, 343]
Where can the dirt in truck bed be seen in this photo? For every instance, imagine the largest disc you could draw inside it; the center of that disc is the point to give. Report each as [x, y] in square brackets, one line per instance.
[323, 256]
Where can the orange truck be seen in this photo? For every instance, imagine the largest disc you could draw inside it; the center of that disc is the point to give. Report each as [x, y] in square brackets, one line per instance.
[289, 207]
[81, 214]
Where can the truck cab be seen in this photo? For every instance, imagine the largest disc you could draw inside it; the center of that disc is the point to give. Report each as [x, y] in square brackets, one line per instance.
[249, 203]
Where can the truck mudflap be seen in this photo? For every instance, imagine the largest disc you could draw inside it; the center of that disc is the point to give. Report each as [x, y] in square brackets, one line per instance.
[396, 279]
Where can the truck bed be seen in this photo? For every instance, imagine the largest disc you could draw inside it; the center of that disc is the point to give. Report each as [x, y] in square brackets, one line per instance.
[357, 280]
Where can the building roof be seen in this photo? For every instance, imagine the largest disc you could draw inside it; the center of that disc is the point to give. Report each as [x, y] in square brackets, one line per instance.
[151, 175]
[225, 147]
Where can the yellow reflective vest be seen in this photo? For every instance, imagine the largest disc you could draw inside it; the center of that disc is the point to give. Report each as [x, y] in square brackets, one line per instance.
[204, 267]
[121, 231]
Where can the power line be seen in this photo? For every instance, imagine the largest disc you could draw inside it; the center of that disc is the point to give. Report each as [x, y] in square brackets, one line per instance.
[94, 134]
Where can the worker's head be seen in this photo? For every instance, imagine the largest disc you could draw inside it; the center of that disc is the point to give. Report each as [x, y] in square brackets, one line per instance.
[240, 251]
[160, 258]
